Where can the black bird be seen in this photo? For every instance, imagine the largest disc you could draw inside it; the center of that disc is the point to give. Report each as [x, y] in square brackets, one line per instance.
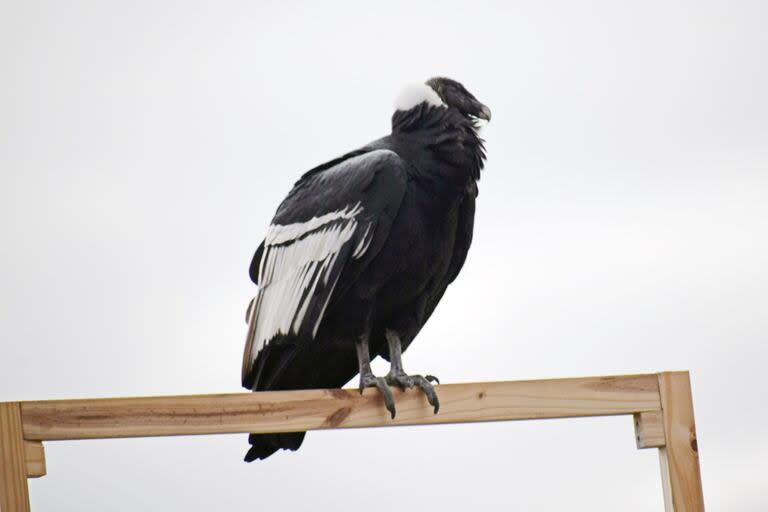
[361, 251]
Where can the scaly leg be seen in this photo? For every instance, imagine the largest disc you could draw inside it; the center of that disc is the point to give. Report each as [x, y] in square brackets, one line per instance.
[368, 379]
[398, 377]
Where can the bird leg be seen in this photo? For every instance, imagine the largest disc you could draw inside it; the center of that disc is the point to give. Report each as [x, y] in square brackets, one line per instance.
[368, 379]
[398, 377]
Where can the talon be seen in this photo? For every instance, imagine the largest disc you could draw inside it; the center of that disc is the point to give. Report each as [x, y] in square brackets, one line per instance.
[369, 381]
[389, 400]
[425, 385]
[390, 405]
[398, 377]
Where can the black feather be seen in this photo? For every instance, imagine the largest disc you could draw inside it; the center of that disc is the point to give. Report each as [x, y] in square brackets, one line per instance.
[416, 189]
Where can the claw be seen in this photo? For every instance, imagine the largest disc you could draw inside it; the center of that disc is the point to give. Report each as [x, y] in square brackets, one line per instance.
[381, 384]
[386, 393]
[399, 378]
[426, 386]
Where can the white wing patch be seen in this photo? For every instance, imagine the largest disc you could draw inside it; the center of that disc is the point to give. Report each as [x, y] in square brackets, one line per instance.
[297, 261]
[278, 234]
[364, 242]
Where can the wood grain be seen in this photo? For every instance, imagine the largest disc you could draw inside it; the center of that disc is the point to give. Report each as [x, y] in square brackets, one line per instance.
[680, 457]
[649, 429]
[666, 485]
[14, 495]
[292, 411]
[35, 456]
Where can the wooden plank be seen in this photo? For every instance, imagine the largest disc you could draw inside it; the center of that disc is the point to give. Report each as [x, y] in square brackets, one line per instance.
[14, 494]
[292, 411]
[35, 455]
[649, 429]
[680, 458]
[665, 482]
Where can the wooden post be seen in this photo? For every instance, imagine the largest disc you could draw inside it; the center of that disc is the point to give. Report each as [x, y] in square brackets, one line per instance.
[680, 472]
[14, 495]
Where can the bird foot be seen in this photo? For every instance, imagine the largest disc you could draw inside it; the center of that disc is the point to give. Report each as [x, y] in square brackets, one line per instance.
[405, 381]
[399, 379]
[369, 380]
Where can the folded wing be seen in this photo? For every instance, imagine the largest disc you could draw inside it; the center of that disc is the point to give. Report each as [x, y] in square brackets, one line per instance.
[335, 219]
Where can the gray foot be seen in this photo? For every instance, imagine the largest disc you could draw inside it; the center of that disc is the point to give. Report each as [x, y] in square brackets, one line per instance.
[405, 381]
[369, 380]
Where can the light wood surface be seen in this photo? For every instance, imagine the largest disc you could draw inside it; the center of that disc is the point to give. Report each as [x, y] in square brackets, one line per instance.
[290, 411]
[666, 485]
[14, 495]
[649, 429]
[660, 403]
[681, 475]
[35, 455]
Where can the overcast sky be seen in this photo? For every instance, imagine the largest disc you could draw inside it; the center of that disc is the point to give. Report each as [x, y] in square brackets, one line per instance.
[621, 228]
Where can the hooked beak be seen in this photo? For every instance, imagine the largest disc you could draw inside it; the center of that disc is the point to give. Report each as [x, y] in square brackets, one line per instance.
[485, 113]
[481, 111]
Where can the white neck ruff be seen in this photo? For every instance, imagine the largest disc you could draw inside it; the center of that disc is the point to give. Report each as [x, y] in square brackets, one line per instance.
[414, 94]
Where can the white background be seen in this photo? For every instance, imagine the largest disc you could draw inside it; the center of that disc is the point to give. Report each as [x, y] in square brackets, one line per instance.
[621, 228]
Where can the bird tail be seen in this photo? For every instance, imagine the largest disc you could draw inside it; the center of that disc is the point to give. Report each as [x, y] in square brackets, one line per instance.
[287, 363]
[255, 378]
[264, 445]
[268, 376]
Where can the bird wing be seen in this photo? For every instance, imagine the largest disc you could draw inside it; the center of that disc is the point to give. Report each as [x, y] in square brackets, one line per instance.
[335, 219]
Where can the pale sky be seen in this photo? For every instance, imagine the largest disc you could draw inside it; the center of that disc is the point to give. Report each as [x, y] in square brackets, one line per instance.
[621, 228]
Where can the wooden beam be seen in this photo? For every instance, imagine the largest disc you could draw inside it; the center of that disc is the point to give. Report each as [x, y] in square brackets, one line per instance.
[666, 486]
[681, 475]
[35, 455]
[292, 411]
[14, 494]
[649, 429]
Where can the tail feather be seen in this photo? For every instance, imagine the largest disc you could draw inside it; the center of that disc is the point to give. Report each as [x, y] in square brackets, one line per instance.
[264, 445]
[285, 364]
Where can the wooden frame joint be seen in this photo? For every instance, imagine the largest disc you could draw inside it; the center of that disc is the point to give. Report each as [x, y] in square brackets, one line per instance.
[649, 429]
[679, 458]
[34, 453]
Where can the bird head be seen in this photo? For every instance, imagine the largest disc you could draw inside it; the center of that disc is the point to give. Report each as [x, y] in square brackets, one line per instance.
[456, 95]
[443, 92]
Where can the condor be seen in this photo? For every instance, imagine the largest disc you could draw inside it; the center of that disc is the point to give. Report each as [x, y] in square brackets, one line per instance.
[361, 251]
